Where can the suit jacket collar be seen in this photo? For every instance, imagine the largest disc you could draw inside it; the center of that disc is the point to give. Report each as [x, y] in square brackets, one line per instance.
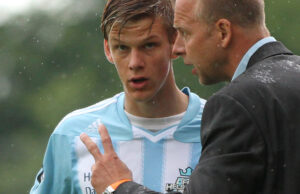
[268, 50]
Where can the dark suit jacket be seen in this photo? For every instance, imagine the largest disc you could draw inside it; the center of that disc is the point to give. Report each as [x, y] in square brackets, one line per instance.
[251, 131]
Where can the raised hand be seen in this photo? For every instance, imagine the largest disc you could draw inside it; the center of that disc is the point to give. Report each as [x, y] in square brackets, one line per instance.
[108, 167]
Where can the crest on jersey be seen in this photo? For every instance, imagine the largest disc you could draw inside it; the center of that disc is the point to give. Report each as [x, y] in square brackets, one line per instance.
[181, 181]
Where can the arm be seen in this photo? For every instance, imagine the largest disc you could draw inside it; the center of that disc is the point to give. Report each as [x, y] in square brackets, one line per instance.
[55, 176]
[133, 188]
[233, 155]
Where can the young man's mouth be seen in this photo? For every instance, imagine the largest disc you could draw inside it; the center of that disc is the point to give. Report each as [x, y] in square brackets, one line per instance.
[138, 82]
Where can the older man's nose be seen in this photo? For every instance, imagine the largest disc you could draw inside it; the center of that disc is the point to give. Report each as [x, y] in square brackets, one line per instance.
[179, 48]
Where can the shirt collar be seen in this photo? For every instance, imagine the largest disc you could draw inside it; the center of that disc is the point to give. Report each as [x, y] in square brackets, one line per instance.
[244, 62]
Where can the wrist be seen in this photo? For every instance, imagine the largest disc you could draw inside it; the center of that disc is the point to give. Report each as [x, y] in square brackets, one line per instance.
[111, 188]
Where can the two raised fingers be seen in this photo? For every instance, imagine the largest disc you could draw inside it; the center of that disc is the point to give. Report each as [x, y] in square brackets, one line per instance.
[92, 146]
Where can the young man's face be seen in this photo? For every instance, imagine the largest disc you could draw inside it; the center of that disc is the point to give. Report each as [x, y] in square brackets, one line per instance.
[142, 58]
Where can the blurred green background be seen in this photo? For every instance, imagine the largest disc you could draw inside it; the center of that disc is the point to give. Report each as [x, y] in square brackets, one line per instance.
[52, 62]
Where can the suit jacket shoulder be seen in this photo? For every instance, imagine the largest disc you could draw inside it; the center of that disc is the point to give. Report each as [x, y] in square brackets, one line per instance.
[267, 95]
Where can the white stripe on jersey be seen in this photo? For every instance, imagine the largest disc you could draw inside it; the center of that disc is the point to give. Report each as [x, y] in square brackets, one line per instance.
[131, 153]
[175, 151]
[84, 164]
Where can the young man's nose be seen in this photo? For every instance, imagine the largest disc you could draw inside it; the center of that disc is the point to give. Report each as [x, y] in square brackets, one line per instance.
[136, 59]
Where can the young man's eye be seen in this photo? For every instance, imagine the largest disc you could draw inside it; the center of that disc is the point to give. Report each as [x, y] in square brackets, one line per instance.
[150, 45]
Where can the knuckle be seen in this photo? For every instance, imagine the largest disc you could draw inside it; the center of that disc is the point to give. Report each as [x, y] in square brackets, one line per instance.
[106, 140]
[93, 147]
[112, 157]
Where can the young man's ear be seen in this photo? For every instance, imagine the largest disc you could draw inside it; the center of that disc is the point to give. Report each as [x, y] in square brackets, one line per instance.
[223, 27]
[107, 51]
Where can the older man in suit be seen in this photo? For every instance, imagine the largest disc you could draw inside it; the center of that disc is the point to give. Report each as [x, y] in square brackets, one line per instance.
[251, 128]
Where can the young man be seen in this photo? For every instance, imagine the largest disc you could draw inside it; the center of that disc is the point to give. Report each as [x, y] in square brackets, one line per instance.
[251, 128]
[154, 126]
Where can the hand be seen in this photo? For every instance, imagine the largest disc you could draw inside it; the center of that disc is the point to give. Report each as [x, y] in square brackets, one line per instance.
[108, 168]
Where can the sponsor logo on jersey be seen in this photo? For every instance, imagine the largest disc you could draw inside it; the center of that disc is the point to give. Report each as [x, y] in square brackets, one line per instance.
[181, 181]
[93, 128]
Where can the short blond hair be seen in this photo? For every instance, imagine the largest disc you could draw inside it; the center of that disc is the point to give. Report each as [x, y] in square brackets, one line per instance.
[122, 11]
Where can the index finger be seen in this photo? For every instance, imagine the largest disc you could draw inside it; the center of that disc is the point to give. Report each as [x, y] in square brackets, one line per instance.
[91, 146]
[106, 140]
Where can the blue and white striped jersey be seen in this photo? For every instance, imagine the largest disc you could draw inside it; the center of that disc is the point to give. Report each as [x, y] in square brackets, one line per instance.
[162, 161]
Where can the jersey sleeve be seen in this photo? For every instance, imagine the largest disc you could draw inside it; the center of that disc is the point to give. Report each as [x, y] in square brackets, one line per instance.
[56, 174]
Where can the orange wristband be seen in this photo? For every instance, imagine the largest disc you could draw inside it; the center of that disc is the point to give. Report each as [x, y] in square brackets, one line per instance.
[114, 186]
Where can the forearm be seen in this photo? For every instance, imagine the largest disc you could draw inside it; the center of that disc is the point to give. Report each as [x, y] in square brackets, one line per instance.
[135, 188]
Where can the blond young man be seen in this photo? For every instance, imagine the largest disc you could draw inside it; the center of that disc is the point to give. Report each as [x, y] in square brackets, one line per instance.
[154, 126]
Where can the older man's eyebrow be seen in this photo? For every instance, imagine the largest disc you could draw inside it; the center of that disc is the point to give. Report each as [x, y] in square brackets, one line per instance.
[178, 29]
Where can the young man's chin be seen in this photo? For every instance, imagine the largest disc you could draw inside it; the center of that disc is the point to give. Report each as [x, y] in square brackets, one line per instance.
[141, 96]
